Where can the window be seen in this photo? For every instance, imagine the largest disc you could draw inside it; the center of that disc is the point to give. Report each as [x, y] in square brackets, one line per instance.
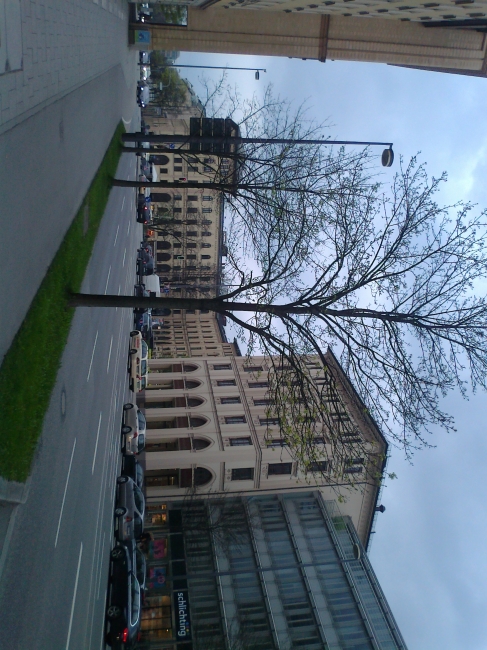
[178, 160]
[177, 197]
[192, 210]
[190, 245]
[268, 421]
[178, 169]
[355, 469]
[230, 400]
[205, 245]
[226, 382]
[222, 366]
[206, 257]
[235, 419]
[207, 198]
[192, 233]
[206, 233]
[258, 384]
[276, 442]
[192, 169]
[253, 368]
[276, 469]
[192, 197]
[191, 257]
[262, 402]
[240, 442]
[177, 211]
[207, 210]
[162, 170]
[243, 474]
[318, 466]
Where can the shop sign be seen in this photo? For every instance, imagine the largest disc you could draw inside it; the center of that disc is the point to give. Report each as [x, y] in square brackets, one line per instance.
[181, 611]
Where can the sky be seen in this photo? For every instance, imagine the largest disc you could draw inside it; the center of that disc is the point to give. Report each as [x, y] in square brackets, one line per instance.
[428, 548]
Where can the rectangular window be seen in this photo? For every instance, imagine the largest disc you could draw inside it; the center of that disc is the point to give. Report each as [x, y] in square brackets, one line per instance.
[222, 366]
[162, 170]
[206, 233]
[177, 210]
[243, 474]
[258, 384]
[268, 421]
[253, 369]
[230, 400]
[192, 197]
[177, 197]
[178, 160]
[192, 233]
[319, 466]
[235, 419]
[276, 442]
[262, 402]
[240, 442]
[207, 198]
[207, 169]
[193, 169]
[279, 468]
[353, 470]
[192, 210]
[226, 382]
[178, 169]
[207, 210]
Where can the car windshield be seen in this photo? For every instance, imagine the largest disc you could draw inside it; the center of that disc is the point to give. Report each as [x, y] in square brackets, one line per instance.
[140, 566]
[145, 349]
[139, 473]
[143, 383]
[135, 593]
[139, 499]
[141, 420]
[140, 442]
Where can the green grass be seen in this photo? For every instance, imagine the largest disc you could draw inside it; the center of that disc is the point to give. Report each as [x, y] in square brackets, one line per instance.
[29, 370]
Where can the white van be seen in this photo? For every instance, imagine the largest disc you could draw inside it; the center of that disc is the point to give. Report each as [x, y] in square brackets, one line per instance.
[152, 284]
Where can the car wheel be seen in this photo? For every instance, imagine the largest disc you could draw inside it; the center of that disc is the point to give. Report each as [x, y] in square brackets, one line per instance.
[108, 639]
[126, 429]
[134, 333]
[122, 479]
[128, 406]
[114, 612]
[119, 512]
[117, 554]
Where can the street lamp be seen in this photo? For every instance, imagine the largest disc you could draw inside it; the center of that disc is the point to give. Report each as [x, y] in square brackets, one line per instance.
[211, 67]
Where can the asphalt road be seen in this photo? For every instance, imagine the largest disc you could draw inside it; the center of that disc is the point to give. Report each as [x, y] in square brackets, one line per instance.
[54, 580]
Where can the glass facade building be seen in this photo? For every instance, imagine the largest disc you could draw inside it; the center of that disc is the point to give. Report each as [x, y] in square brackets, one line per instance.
[264, 572]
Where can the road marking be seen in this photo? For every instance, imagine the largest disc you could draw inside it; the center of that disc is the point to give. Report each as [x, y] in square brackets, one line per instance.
[64, 495]
[92, 355]
[119, 289]
[96, 444]
[109, 353]
[126, 122]
[128, 229]
[116, 236]
[108, 277]
[74, 596]
[124, 253]
[123, 202]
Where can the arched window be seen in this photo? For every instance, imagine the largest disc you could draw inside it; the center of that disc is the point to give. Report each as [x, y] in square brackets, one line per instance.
[160, 197]
[164, 245]
[194, 401]
[191, 384]
[205, 245]
[196, 422]
[188, 367]
[206, 257]
[160, 159]
[202, 476]
[200, 443]
[163, 268]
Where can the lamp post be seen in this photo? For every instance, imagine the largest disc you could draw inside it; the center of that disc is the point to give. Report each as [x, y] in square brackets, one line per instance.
[210, 67]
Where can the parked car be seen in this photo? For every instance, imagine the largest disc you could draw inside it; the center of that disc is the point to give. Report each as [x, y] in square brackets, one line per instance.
[137, 365]
[144, 57]
[144, 214]
[143, 94]
[131, 467]
[143, 322]
[145, 261]
[140, 291]
[133, 430]
[129, 510]
[124, 598]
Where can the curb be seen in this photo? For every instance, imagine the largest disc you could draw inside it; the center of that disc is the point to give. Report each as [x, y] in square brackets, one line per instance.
[13, 492]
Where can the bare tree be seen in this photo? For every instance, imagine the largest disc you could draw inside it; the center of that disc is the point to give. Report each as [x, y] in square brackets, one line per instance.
[392, 282]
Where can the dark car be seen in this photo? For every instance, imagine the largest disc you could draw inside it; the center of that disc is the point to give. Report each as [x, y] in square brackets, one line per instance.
[132, 468]
[143, 212]
[127, 583]
[143, 94]
[144, 57]
[143, 322]
[140, 292]
[145, 262]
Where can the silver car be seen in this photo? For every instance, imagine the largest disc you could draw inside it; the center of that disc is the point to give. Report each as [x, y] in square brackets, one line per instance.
[133, 430]
[129, 510]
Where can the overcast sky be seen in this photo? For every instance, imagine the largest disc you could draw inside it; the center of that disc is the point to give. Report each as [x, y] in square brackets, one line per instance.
[428, 550]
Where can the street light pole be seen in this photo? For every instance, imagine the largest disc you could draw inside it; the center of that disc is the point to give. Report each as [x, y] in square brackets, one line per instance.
[210, 67]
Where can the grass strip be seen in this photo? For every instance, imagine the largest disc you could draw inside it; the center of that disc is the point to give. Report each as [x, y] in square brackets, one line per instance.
[29, 370]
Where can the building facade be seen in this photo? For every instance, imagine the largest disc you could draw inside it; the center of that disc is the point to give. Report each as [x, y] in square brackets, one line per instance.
[448, 36]
[261, 572]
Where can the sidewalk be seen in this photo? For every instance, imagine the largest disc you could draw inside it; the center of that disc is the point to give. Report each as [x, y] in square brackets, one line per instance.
[64, 44]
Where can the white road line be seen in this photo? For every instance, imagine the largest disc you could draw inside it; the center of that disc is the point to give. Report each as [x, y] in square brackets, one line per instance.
[96, 445]
[124, 253]
[64, 495]
[92, 355]
[109, 353]
[108, 277]
[74, 596]
[116, 235]
[123, 202]
[128, 229]
[119, 289]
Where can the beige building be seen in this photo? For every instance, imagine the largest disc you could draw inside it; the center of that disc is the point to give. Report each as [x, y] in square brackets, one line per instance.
[446, 36]
[210, 429]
